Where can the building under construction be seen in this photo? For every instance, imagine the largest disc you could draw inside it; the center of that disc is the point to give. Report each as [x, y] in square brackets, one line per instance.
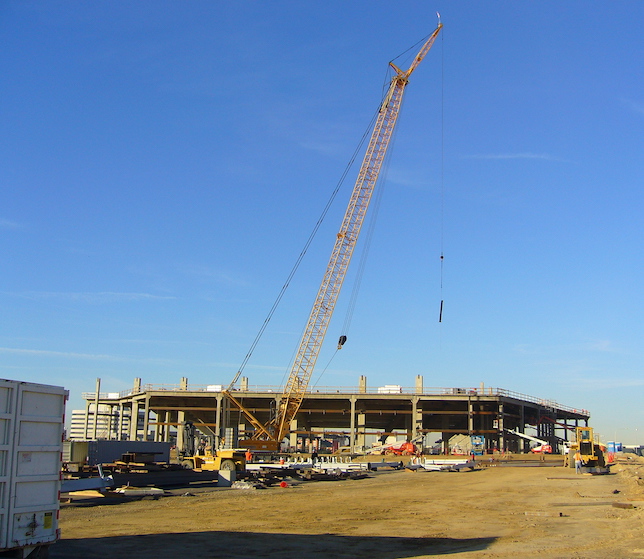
[302, 418]
[330, 418]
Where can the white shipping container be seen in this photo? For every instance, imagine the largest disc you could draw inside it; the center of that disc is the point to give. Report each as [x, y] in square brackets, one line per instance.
[31, 434]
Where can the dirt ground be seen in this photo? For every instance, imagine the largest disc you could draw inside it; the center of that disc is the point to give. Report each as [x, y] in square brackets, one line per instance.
[493, 512]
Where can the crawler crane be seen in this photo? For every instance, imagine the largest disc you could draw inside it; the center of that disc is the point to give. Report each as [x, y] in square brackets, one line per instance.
[268, 436]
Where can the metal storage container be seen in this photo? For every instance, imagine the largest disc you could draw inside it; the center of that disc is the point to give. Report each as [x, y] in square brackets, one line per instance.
[31, 434]
[103, 451]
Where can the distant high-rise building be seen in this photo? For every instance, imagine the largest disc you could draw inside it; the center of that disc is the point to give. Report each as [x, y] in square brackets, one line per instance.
[109, 426]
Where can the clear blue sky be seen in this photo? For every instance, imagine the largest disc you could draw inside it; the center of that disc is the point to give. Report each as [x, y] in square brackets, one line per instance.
[162, 164]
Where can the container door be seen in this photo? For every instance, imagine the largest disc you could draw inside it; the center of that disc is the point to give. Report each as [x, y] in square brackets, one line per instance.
[38, 433]
[8, 390]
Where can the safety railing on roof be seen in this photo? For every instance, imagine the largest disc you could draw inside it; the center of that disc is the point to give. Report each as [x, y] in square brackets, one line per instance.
[390, 390]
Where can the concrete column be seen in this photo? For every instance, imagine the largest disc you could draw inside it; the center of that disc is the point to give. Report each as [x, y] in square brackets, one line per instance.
[108, 422]
[219, 429]
[352, 427]
[97, 397]
[181, 438]
[120, 422]
[524, 444]
[113, 424]
[411, 425]
[415, 424]
[184, 383]
[134, 420]
[137, 385]
[166, 427]
[157, 429]
[86, 427]
[362, 384]
[292, 438]
[362, 424]
[417, 416]
[419, 384]
[501, 427]
[146, 418]
[470, 416]
[243, 384]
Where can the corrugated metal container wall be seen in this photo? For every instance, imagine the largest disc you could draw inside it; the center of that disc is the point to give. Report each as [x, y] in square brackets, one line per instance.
[31, 432]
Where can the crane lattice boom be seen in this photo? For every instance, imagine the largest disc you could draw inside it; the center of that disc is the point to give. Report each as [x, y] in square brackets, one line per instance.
[336, 270]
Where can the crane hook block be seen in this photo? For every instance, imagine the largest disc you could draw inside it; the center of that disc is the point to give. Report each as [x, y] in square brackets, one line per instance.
[341, 341]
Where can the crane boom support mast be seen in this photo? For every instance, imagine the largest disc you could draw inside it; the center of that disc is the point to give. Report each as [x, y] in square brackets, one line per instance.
[327, 296]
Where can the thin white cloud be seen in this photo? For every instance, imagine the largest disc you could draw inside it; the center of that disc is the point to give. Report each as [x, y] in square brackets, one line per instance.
[607, 382]
[85, 356]
[64, 354]
[209, 274]
[98, 297]
[603, 346]
[634, 106]
[8, 224]
[524, 155]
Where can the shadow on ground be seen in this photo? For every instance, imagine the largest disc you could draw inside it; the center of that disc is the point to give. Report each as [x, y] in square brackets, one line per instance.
[253, 544]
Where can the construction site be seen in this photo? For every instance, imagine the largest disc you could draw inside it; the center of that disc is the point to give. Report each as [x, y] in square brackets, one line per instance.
[296, 418]
[380, 453]
[209, 426]
[440, 420]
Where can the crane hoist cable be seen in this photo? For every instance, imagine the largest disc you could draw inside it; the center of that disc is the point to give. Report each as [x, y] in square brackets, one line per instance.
[442, 220]
[329, 290]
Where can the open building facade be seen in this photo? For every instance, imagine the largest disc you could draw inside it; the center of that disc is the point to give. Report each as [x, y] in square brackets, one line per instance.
[330, 418]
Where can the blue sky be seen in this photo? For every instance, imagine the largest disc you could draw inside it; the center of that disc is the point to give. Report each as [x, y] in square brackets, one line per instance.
[162, 164]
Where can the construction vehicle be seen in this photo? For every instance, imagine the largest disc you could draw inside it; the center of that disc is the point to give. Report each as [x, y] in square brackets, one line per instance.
[404, 449]
[269, 436]
[543, 447]
[198, 454]
[586, 445]
[592, 452]
[222, 459]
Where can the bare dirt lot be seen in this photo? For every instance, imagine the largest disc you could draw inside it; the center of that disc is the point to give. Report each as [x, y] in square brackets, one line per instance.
[493, 512]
